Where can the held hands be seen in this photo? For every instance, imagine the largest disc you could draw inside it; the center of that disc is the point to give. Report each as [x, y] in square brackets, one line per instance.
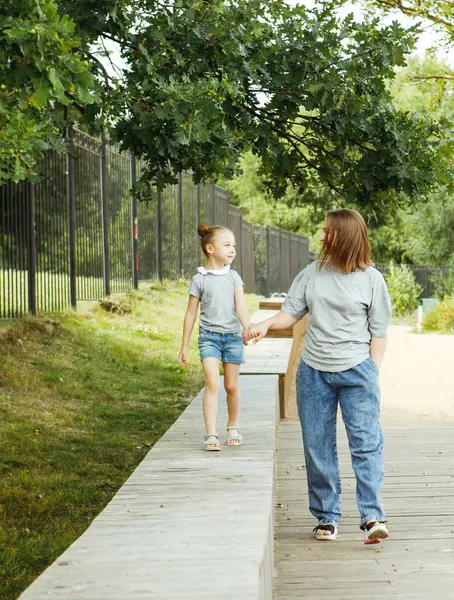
[255, 332]
[183, 356]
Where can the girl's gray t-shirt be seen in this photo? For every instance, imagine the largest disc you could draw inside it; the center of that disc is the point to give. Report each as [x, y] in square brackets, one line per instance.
[345, 311]
[217, 300]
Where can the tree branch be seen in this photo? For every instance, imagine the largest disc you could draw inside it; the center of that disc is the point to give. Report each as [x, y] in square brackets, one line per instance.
[424, 77]
[416, 12]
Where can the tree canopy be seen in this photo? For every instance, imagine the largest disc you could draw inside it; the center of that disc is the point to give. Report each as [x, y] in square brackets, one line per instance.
[40, 67]
[208, 80]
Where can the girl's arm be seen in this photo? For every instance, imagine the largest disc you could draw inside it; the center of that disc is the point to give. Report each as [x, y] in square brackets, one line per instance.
[189, 320]
[241, 309]
[377, 349]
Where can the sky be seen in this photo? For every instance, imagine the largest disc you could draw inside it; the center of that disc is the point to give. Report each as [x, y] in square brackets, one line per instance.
[429, 38]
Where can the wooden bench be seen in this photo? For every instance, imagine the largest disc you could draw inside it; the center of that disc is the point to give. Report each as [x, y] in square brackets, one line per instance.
[187, 524]
[278, 353]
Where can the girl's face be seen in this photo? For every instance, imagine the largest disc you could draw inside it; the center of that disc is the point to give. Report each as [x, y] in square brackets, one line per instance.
[222, 247]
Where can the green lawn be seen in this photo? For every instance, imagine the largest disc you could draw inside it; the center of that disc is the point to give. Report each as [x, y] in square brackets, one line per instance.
[82, 400]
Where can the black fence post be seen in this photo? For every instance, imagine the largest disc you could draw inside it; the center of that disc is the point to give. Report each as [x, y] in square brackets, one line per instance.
[180, 223]
[31, 249]
[159, 234]
[243, 259]
[281, 286]
[71, 173]
[213, 208]
[134, 227]
[268, 269]
[105, 217]
[197, 243]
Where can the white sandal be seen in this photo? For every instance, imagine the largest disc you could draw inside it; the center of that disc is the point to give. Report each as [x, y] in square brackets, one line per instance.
[375, 531]
[330, 527]
[213, 441]
[233, 439]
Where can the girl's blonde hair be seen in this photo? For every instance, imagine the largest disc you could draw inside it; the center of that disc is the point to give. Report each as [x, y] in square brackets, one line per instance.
[208, 234]
[346, 245]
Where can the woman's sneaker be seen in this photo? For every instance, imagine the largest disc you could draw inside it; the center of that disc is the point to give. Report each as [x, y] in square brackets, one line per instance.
[375, 531]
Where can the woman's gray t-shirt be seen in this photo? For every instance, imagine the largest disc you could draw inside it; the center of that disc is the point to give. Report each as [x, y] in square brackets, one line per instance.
[217, 300]
[345, 311]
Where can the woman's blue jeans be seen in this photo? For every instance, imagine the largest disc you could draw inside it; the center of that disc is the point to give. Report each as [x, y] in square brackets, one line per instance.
[357, 392]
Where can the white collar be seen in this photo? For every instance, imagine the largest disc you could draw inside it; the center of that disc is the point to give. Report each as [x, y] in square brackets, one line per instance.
[225, 269]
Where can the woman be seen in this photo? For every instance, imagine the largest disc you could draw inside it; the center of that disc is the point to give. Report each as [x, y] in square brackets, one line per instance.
[349, 314]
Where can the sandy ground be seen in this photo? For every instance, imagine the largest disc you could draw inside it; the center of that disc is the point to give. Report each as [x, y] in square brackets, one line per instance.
[417, 376]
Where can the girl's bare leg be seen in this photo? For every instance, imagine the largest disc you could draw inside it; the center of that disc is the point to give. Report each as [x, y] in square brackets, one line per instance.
[231, 385]
[210, 396]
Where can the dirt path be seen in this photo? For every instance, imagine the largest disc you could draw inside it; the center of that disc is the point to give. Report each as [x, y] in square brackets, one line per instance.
[417, 376]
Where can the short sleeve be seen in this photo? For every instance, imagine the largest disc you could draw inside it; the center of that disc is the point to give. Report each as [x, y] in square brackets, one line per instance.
[237, 281]
[195, 287]
[295, 303]
[380, 310]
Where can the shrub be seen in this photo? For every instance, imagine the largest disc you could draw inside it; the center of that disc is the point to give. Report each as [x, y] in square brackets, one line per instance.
[440, 318]
[403, 288]
[443, 285]
[119, 305]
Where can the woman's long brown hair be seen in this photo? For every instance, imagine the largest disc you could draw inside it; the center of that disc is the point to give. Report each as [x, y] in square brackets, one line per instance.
[346, 246]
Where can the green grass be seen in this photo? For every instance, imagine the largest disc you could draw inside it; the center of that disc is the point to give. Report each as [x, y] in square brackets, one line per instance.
[52, 290]
[82, 400]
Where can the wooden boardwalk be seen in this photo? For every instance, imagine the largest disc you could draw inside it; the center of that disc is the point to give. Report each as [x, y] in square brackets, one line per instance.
[187, 524]
[416, 563]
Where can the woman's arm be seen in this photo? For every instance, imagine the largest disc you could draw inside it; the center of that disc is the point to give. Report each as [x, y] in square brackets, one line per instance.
[377, 349]
[241, 309]
[280, 321]
[188, 326]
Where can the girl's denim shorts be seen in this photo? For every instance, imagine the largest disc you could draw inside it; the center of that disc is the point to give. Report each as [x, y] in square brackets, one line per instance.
[227, 347]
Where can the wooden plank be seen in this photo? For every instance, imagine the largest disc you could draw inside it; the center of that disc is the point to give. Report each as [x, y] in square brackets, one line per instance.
[269, 356]
[271, 303]
[177, 528]
[261, 315]
[416, 562]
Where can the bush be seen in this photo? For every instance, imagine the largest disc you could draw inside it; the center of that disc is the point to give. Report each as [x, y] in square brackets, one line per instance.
[440, 318]
[443, 285]
[118, 304]
[403, 288]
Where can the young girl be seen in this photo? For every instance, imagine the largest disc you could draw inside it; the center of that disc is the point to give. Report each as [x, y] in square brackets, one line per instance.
[349, 313]
[224, 316]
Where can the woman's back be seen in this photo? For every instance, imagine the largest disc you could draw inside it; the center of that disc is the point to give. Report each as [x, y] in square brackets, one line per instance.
[345, 310]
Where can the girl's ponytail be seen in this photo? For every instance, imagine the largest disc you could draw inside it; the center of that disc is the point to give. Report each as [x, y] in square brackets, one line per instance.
[203, 230]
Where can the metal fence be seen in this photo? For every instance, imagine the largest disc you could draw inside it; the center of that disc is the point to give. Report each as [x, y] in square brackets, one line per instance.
[79, 235]
[425, 276]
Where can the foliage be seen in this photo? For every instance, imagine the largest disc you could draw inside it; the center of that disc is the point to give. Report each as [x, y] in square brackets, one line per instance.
[399, 235]
[206, 81]
[302, 90]
[291, 212]
[403, 288]
[443, 284]
[424, 235]
[415, 88]
[430, 230]
[41, 71]
[440, 318]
